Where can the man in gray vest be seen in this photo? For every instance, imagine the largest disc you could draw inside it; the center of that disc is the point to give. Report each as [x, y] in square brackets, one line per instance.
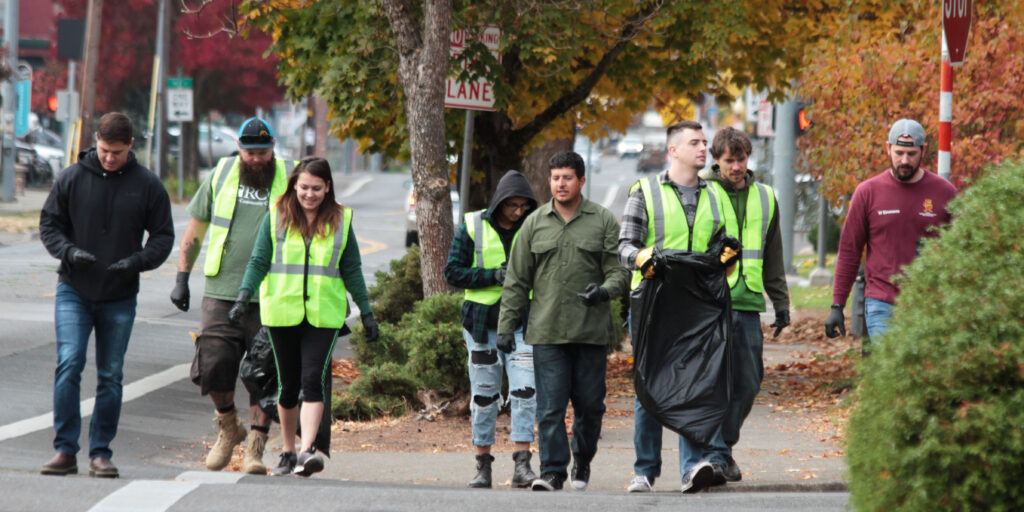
[230, 203]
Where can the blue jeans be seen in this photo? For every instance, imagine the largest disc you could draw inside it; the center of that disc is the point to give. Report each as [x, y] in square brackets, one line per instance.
[876, 315]
[575, 372]
[747, 374]
[647, 434]
[485, 370]
[75, 318]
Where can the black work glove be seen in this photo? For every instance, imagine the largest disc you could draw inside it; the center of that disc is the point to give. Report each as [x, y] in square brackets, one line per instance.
[835, 320]
[651, 262]
[371, 331]
[179, 295]
[499, 273]
[238, 310]
[129, 265]
[80, 257]
[593, 295]
[507, 343]
[781, 321]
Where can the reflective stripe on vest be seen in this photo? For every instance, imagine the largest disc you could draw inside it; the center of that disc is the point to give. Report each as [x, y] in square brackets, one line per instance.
[224, 193]
[314, 270]
[488, 252]
[757, 216]
[675, 234]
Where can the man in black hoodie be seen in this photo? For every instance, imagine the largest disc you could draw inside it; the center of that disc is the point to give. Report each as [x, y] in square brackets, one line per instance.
[477, 263]
[93, 221]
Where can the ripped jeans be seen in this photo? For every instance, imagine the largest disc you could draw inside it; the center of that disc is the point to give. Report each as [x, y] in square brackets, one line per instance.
[485, 371]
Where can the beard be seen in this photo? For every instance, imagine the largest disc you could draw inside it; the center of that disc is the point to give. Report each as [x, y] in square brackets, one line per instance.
[259, 176]
[904, 172]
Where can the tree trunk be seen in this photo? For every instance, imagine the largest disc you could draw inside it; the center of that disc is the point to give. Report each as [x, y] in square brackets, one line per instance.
[423, 66]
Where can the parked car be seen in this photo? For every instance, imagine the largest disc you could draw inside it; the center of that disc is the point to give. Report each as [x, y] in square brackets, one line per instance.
[652, 159]
[48, 146]
[213, 142]
[412, 234]
[37, 171]
[629, 146]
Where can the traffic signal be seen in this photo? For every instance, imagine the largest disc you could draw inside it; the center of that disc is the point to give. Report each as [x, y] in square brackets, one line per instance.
[51, 102]
[803, 122]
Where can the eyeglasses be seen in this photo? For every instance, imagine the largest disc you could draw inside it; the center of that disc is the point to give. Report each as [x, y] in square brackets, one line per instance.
[525, 207]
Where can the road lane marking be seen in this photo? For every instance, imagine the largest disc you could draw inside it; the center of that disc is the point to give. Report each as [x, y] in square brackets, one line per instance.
[130, 392]
[145, 496]
[374, 246]
[609, 196]
[353, 188]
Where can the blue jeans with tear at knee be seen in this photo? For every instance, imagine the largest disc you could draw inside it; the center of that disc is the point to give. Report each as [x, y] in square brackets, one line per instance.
[486, 366]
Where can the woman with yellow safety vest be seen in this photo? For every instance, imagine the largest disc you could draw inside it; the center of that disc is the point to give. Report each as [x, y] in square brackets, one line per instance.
[305, 261]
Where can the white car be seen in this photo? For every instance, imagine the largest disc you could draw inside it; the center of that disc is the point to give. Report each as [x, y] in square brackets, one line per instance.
[49, 146]
[412, 233]
[629, 147]
[214, 142]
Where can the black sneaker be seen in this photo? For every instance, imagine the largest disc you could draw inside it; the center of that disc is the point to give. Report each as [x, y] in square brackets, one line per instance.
[732, 470]
[286, 465]
[698, 478]
[718, 474]
[548, 482]
[309, 462]
[580, 475]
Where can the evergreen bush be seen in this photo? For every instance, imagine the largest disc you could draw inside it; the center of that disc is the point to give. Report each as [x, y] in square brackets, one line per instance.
[939, 423]
[397, 291]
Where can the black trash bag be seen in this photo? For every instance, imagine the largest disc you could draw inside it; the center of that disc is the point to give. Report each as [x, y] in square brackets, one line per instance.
[258, 372]
[682, 344]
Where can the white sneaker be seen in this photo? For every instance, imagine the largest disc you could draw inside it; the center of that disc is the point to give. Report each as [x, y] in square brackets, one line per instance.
[699, 477]
[640, 483]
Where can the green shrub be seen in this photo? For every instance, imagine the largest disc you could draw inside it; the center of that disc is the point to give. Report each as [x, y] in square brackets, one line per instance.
[939, 421]
[397, 291]
[832, 242]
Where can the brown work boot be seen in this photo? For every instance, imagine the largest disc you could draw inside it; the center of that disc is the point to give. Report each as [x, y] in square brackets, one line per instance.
[232, 432]
[101, 467]
[253, 462]
[61, 464]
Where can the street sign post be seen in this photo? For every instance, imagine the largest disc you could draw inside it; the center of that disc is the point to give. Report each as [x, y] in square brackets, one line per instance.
[956, 28]
[479, 94]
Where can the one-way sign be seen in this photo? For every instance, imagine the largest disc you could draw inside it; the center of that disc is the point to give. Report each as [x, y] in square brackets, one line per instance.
[179, 100]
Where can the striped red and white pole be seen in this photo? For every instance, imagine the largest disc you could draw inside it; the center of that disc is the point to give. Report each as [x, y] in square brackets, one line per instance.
[945, 112]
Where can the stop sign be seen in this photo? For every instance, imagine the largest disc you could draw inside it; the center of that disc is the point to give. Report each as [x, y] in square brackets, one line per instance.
[956, 25]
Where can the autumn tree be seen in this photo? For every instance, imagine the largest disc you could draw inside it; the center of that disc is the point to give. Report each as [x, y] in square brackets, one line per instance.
[587, 62]
[875, 70]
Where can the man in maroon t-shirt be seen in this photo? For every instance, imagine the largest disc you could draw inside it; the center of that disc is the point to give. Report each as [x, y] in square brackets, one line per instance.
[889, 213]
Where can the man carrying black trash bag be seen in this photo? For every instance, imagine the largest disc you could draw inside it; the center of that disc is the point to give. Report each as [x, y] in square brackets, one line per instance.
[677, 212]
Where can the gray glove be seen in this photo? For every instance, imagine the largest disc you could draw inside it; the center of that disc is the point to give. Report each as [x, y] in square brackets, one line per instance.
[179, 295]
[835, 320]
[238, 310]
[499, 273]
[370, 327]
[781, 321]
[129, 265]
[507, 343]
[80, 257]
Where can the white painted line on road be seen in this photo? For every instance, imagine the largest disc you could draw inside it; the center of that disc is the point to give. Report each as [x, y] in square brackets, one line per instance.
[145, 496]
[353, 188]
[129, 392]
[609, 196]
[209, 477]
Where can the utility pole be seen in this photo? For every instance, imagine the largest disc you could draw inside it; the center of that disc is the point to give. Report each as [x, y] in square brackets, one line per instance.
[10, 101]
[784, 151]
[93, 16]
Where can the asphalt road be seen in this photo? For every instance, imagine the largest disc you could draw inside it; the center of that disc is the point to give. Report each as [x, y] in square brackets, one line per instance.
[164, 421]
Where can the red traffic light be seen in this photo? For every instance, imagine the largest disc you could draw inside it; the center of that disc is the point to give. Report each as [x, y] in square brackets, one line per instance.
[802, 121]
[52, 103]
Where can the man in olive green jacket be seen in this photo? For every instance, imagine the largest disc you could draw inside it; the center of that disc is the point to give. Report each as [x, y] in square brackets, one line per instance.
[566, 254]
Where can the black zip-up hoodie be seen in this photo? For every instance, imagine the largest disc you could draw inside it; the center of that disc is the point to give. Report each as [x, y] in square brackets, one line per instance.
[107, 214]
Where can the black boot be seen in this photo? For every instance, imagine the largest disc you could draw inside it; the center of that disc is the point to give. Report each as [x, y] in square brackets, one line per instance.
[483, 471]
[523, 475]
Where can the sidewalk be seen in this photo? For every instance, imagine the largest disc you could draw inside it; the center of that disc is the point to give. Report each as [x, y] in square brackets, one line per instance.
[778, 452]
[30, 202]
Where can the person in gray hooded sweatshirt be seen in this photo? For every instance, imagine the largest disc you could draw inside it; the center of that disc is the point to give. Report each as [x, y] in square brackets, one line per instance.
[477, 263]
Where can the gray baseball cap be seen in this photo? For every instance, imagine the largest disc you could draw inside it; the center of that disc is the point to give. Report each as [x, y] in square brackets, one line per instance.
[906, 128]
